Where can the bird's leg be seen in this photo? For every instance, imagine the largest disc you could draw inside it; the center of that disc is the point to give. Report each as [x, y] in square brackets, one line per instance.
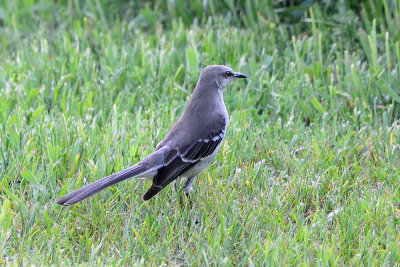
[139, 183]
[188, 186]
[186, 190]
[178, 193]
[175, 186]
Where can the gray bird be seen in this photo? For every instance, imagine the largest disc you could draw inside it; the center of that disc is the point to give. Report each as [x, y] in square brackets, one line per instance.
[187, 149]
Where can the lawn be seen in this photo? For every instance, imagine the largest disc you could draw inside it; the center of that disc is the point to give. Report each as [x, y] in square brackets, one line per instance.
[308, 173]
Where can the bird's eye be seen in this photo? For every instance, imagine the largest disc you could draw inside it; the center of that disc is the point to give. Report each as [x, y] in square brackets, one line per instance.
[228, 73]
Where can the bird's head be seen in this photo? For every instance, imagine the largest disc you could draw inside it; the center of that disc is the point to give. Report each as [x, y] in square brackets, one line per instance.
[219, 75]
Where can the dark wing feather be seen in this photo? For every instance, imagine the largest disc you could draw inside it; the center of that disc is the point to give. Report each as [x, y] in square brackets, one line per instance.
[178, 162]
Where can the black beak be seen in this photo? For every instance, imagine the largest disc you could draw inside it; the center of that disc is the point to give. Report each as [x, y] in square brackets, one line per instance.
[240, 75]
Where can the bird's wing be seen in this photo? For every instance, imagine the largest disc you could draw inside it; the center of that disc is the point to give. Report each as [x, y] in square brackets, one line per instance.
[180, 159]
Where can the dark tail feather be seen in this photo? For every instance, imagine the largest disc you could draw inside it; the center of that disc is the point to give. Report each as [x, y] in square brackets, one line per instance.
[94, 188]
[153, 190]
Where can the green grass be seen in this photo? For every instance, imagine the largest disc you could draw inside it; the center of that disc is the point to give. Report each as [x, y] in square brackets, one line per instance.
[309, 170]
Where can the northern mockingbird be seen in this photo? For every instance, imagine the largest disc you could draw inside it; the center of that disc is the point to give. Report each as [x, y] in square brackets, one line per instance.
[187, 149]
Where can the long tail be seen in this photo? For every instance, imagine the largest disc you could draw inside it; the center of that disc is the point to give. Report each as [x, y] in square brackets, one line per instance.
[94, 188]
